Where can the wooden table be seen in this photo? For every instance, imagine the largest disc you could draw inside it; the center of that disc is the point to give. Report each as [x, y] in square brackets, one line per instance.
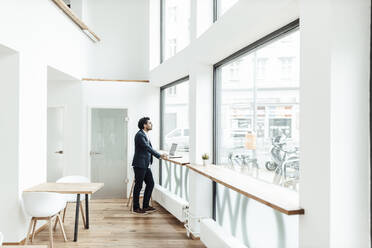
[71, 188]
[26, 246]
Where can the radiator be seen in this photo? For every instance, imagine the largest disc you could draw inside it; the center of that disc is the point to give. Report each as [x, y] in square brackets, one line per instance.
[171, 202]
[213, 235]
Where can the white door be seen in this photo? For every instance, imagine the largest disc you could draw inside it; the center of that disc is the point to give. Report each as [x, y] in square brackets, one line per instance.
[108, 155]
[55, 136]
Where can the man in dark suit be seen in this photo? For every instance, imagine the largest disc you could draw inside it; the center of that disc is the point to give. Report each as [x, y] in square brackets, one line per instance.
[143, 157]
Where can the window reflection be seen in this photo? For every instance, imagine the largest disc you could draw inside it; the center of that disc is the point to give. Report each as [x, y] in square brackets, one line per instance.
[176, 26]
[258, 112]
[176, 117]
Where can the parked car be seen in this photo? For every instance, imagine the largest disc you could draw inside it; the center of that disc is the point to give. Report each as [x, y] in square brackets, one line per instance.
[179, 136]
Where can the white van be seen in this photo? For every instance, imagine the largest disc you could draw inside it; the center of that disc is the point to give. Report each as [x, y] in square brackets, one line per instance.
[179, 136]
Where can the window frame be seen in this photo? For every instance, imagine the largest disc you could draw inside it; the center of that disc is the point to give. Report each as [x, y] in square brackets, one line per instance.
[215, 10]
[370, 126]
[294, 25]
[162, 31]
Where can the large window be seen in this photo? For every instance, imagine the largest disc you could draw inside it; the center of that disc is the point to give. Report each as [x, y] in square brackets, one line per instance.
[175, 115]
[175, 32]
[175, 130]
[257, 110]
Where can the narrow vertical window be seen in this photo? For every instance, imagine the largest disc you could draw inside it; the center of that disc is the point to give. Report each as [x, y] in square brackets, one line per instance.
[175, 26]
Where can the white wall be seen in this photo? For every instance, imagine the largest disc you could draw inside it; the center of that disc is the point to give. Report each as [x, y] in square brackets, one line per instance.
[335, 44]
[78, 97]
[350, 152]
[315, 76]
[68, 94]
[9, 136]
[201, 111]
[140, 99]
[60, 44]
[57, 42]
[123, 27]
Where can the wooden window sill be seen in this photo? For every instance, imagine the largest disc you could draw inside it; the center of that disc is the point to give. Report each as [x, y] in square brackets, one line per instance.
[274, 196]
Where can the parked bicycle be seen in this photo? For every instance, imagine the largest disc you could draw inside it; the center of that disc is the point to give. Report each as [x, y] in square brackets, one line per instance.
[242, 160]
[285, 163]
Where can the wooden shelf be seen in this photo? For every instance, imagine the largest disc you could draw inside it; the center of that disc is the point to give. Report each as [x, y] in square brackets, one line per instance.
[115, 80]
[274, 196]
[76, 20]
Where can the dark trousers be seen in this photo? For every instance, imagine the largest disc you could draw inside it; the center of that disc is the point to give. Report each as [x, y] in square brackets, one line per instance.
[142, 175]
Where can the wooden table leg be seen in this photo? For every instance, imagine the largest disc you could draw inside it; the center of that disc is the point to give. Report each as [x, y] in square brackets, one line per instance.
[77, 217]
[50, 232]
[86, 212]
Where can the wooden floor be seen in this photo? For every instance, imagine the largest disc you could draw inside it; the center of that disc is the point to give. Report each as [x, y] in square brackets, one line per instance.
[112, 225]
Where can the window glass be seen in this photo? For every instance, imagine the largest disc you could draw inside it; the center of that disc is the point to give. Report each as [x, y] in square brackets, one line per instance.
[175, 129]
[186, 132]
[174, 133]
[176, 26]
[175, 119]
[258, 112]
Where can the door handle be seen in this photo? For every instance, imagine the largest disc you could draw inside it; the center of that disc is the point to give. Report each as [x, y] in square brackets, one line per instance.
[94, 153]
[59, 152]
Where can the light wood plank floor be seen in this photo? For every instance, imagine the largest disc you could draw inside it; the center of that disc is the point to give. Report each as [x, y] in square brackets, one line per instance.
[112, 225]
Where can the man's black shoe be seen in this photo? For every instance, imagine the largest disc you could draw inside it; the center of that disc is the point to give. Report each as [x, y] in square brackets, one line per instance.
[139, 211]
[149, 209]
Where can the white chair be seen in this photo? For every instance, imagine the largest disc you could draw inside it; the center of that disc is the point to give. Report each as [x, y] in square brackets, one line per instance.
[71, 198]
[44, 206]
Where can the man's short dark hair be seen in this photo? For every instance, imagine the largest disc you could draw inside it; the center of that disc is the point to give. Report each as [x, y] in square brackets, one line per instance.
[142, 122]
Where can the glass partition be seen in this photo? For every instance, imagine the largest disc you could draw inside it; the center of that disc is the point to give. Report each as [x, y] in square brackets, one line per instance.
[253, 223]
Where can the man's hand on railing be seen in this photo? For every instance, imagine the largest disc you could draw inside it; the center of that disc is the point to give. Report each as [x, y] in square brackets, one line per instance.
[164, 156]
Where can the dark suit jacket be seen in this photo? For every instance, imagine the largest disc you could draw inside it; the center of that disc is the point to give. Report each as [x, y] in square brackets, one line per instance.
[143, 151]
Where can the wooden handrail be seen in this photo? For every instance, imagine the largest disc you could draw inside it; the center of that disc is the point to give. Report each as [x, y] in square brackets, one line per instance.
[115, 80]
[75, 19]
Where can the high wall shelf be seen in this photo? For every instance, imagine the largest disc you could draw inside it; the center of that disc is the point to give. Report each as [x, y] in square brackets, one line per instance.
[76, 20]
